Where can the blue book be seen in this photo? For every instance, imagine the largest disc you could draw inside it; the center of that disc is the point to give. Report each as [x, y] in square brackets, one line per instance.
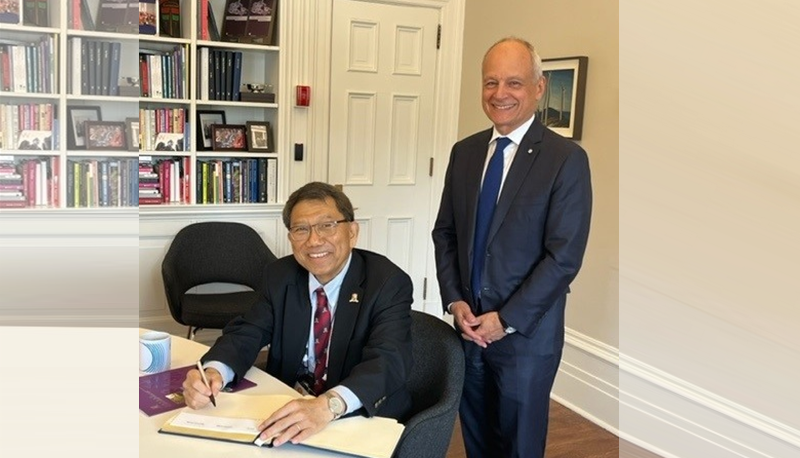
[237, 75]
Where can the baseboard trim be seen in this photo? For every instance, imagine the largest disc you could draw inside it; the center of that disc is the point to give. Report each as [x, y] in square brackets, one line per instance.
[675, 418]
[587, 380]
[659, 412]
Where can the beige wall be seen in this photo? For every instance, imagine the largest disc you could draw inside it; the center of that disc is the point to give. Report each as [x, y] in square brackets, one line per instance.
[564, 29]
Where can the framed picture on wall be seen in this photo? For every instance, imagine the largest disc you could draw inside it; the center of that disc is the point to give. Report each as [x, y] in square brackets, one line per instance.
[561, 106]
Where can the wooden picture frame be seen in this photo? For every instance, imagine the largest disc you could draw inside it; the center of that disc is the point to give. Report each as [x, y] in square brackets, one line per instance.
[259, 137]
[561, 106]
[133, 134]
[77, 116]
[229, 137]
[205, 119]
[105, 135]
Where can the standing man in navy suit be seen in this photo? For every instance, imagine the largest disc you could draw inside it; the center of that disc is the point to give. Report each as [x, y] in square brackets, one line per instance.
[505, 257]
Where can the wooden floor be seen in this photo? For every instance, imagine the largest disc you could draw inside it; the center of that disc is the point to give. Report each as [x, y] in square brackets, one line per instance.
[570, 436]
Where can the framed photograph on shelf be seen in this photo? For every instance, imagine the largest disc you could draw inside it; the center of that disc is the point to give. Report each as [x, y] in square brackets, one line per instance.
[11, 12]
[561, 106]
[205, 119]
[41, 140]
[234, 20]
[148, 17]
[228, 137]
[132, 133]
[105, 135]
[77, 116]
[259, 137]
[169, 141]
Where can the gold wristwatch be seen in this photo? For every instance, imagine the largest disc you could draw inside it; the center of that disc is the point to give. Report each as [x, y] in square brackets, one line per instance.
[335, 405]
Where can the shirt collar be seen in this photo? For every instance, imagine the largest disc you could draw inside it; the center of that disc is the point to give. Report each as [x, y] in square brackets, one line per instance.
[516, 134]
[332, 286]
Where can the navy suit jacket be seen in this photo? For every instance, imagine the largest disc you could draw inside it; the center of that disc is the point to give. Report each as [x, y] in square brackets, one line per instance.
[370, 349]
[538, 234]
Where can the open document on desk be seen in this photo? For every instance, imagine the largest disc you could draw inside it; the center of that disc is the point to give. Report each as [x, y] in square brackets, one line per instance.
[237, 417]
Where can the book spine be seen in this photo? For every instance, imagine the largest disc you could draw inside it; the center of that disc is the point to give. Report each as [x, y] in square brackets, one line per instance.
[113, 78]
[272, 180]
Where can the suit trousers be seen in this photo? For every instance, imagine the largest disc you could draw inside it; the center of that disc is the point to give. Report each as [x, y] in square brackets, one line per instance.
[505, 405]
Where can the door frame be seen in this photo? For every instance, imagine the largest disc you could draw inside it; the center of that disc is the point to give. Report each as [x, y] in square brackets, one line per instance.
[447, 89]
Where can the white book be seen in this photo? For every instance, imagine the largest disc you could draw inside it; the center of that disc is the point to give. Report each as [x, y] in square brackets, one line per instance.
[76, 74]
[272, 180]
[20, 75]
[156, 77]
[202, 75]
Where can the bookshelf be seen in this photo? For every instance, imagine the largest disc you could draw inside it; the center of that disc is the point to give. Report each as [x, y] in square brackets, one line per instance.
[78, 70]
[228, 174]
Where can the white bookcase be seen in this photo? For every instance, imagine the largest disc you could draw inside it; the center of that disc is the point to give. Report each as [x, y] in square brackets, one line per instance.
[108, 177]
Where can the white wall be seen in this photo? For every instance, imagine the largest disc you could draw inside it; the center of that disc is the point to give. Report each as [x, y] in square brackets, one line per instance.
[69, 268]
[710, 216]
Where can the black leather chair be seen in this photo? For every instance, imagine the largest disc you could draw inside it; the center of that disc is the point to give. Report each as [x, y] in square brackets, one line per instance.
[436, 382]
[212, 252]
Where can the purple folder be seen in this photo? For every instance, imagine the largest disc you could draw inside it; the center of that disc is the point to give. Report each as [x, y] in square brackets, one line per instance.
[162, 392]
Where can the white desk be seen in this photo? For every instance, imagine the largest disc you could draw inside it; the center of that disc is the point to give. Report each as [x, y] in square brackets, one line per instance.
[154, 445]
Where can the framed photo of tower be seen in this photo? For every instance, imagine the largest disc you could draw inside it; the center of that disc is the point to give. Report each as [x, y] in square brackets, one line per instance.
[561, 106]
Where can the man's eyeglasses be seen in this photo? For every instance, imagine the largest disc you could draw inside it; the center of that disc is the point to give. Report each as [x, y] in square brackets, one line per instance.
[326, 229]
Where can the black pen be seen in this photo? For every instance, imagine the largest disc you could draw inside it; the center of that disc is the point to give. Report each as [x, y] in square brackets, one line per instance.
[205, 380]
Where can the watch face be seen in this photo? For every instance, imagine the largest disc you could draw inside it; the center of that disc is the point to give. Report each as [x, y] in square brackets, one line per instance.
[336, 405]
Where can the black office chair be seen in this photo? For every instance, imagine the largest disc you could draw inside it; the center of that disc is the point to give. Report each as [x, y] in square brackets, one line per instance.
[436, 381]
[212, 252]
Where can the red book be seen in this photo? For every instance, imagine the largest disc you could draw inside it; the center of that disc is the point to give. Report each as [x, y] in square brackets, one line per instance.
[204, 20]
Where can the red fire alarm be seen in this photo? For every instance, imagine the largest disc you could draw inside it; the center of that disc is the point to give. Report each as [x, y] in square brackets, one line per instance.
[303, 96]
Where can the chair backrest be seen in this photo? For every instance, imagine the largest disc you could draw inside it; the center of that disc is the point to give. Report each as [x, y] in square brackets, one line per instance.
[435, 383]
[211, 252]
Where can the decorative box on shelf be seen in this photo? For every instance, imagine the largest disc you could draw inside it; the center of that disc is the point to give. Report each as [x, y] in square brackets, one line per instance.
[262, 97]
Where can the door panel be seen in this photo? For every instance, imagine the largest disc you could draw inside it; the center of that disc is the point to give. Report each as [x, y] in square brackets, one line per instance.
[383, 71]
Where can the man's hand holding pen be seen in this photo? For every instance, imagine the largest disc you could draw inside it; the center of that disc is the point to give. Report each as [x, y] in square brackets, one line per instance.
[195, 392]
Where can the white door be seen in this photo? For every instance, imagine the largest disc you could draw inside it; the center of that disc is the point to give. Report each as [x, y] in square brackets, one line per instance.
[383, 71]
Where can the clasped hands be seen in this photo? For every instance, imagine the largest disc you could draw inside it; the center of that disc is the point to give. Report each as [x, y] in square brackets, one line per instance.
[294, 422]
[482, 330]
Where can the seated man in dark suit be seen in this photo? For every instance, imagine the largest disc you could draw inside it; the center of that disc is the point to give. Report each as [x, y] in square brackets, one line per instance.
[337, 319]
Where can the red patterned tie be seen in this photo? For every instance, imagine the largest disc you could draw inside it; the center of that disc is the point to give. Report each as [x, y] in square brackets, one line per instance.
[322, 335]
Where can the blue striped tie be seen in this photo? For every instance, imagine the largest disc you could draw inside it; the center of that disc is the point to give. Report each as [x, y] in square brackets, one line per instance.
[483, 219]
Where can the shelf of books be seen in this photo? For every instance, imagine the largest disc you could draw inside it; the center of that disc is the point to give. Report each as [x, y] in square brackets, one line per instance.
[190, 120]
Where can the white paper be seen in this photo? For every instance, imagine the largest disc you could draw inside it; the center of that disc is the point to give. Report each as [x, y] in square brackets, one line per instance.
[218, 424]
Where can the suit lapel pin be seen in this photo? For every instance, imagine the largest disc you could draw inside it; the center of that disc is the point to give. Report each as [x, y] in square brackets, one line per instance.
[530, 151]
[354, 298]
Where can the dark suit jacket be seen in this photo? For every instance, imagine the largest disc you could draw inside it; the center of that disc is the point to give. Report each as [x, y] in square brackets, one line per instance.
[370, 350]
[538, 234]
